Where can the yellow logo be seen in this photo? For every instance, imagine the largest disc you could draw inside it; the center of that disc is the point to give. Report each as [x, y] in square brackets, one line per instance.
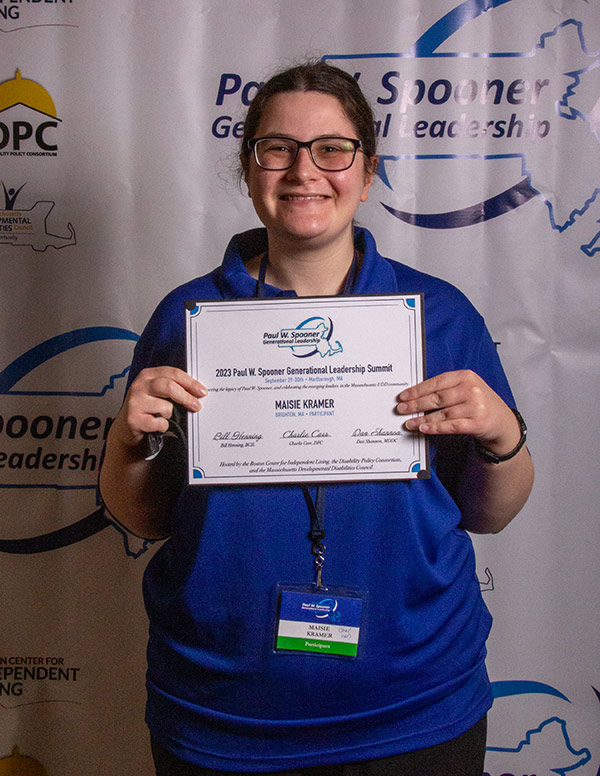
[18, 764]
[22, 91]
[22, 134]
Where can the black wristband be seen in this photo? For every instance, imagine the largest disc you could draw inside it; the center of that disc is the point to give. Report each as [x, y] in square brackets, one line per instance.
[493, 457]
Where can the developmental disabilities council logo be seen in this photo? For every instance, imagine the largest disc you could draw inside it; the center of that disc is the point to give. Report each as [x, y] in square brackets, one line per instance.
[312, 336]
[29, 226]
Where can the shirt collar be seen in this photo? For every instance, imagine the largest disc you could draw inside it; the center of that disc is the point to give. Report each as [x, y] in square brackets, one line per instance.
[376, 274]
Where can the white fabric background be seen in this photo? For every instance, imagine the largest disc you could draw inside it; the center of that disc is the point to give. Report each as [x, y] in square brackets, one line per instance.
[152, 197]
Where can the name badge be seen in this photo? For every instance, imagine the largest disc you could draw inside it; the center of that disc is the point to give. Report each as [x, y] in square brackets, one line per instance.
[319, 622]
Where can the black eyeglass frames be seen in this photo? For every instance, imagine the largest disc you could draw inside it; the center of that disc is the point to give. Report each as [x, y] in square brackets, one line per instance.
[332, 154]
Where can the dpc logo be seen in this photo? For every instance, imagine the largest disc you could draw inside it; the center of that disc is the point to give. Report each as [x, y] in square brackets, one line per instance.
[487, 120]
[28, 119]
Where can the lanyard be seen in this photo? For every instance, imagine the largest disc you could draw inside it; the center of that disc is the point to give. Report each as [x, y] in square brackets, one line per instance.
[316, 506]
[351, 277]
[316, 511]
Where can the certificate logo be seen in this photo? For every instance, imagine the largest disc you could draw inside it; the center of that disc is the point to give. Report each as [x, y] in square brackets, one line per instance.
[311, 337]
[325, 609]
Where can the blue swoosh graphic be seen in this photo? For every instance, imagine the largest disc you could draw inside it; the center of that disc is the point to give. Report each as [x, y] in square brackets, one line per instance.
[70, 534]
[518, 687]
[37, 355]
[500, 204]
[439, 32]
[450, 23]
[496, 206]
[15, 371]
[426, 47]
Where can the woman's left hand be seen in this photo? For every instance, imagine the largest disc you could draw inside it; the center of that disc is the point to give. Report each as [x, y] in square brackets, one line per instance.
[461, 403]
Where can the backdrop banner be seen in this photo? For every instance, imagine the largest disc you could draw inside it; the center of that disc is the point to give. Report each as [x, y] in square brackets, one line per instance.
[119, 127]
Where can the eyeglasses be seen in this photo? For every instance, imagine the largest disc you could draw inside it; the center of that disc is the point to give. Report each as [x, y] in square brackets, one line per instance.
[332, 154]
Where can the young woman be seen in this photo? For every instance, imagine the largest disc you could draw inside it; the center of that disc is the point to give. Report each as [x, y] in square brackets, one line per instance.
[220, 699]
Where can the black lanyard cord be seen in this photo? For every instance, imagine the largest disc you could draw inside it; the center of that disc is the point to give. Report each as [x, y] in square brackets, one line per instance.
[316, 511]
[351, 277]
[316, 506]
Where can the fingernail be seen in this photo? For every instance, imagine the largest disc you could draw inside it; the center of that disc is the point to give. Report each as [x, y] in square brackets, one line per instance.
[196, 405]
[402, 407]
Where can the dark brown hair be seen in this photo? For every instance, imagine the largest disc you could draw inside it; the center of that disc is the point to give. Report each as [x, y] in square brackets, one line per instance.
[315, 76]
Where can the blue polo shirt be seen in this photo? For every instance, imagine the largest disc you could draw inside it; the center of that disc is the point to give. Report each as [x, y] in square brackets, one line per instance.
[218, 695]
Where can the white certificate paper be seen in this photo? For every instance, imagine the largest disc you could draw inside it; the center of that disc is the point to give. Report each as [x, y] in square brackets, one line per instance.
[304, 389]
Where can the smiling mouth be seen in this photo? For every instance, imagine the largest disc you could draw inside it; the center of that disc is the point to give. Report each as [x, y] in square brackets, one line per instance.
[302, 197]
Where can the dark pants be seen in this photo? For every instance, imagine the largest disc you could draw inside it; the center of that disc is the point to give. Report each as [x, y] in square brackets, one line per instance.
[463, 756]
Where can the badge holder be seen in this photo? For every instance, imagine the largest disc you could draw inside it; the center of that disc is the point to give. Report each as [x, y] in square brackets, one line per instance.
[315, 619]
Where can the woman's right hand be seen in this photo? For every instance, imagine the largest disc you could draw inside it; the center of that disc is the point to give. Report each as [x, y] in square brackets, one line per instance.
[148, 404]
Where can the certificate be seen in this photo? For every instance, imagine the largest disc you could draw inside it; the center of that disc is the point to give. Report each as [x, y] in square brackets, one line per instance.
[304, 389]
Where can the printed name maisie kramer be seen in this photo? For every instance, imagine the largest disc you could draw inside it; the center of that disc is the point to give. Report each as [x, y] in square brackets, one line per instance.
[304, 404]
